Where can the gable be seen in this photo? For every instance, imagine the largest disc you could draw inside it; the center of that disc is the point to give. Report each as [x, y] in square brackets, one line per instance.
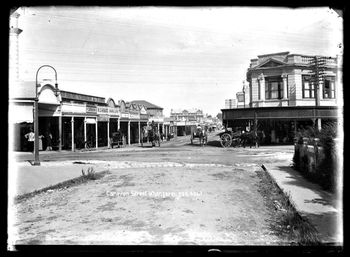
[271, 62]
[47, 95]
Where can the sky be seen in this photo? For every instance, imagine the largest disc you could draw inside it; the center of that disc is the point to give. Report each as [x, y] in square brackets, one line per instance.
[176, 58]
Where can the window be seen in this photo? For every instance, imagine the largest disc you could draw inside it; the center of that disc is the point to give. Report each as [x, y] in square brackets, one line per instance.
[259, 90]
[273, 88]
[308, 87]
[329, 88]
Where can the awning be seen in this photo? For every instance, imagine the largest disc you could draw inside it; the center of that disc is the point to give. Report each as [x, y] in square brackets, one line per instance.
[20, 113]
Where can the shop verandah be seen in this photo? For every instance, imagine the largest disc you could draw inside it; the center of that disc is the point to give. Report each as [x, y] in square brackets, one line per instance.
[94, 132]
[78, 132]
[279, 125]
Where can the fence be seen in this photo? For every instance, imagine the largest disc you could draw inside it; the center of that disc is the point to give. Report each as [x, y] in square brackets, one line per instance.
[308, 153]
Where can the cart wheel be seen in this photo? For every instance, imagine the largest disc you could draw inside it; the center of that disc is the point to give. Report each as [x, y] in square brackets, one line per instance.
[226, 140]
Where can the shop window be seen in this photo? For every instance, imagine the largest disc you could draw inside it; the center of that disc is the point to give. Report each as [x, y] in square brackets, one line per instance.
[273, 88]
[329, 88]
[308, 87]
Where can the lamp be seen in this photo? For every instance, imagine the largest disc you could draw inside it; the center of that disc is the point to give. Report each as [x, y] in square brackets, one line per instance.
[36, 115]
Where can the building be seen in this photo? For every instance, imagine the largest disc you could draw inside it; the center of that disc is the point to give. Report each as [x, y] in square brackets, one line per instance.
[284, 97]
[72, 118]
[186, 119]
[155, 114]
[230, 103]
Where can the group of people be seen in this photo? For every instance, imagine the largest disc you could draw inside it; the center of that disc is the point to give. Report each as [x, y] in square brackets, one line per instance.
[30, 136]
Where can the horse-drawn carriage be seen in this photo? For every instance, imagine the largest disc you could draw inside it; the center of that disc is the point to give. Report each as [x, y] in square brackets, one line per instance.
[229, 138]
[117, 139]
[150, 134]
[201, 134]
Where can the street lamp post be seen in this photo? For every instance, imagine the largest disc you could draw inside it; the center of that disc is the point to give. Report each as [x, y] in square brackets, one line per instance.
[36, 115]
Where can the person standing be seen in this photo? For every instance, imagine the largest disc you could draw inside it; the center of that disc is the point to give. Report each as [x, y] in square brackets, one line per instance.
[49, 141]
[31, 137]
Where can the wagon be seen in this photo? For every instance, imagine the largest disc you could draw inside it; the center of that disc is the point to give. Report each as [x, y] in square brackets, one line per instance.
[117, 139]
[150, 135]
[201, 134]
[228, 138]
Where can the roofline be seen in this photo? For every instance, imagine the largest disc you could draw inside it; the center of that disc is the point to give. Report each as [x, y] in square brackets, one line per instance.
[282, 107]
[81, 94]
[296, 65]
[154, 106]
[264, 55]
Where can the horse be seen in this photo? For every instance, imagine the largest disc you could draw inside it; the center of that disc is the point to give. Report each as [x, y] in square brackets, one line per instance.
[201, 134]
[151, 134]
[250, 138]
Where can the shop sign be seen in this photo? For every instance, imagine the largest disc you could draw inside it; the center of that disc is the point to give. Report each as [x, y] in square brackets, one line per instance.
[124, 115]
[156, 119]
[113, 111]
[240, 97]
[134, 116]
[91, 109]
[102, 110]
[90, 121]
[102, 118]
[144, 116]
[73, 108]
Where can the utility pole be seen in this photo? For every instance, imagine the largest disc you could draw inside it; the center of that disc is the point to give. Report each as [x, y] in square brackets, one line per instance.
[318, 64]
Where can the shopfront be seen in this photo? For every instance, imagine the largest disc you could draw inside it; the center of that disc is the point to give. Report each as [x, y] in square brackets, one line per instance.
[21, 114]
[280, 125]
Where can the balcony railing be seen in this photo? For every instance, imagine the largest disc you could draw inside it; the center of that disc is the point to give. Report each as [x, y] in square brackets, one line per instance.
[308, 59]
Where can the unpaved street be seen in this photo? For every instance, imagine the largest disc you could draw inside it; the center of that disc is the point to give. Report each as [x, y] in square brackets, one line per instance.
[175, 194]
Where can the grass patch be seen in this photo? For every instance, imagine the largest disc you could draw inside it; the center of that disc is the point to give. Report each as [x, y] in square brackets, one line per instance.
[90, 174]
[286, 221]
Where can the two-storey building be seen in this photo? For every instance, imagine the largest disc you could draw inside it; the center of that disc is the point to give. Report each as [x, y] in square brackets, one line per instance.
[186, 120]
[287, 92]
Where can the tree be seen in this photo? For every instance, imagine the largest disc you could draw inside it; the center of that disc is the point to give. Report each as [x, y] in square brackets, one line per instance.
[219, 116]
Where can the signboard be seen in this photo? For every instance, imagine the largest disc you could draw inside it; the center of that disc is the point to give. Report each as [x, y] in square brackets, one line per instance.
[144, 116]
[102, 110]
[73, 108]
[134, 116]
[113, 111]
[91, 109]
[240, 97]
[156, 119]
[90, 121]
[124, 115]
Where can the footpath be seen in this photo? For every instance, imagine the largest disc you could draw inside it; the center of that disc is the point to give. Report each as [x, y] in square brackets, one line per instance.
[322, 209]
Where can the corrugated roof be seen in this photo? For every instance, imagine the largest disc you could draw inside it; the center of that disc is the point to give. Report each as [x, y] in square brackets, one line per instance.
[148, 105]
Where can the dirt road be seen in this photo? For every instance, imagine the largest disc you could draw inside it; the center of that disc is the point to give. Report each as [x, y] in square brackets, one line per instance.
[176, 194]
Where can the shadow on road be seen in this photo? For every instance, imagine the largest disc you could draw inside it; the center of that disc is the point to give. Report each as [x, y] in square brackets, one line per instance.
[214, 143]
